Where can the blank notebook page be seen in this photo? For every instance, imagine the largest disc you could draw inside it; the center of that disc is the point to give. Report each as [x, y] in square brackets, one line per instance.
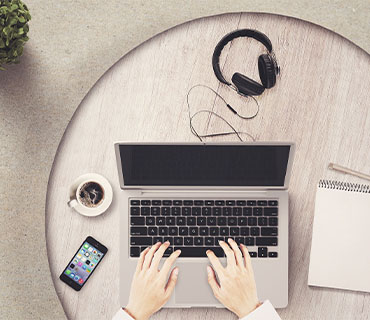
[340, 250]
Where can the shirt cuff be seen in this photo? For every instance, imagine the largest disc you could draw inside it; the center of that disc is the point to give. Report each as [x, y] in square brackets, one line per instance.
[263, 312]
[122, 315]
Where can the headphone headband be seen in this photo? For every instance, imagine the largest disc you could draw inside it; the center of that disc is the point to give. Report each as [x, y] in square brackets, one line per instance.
[250, 33]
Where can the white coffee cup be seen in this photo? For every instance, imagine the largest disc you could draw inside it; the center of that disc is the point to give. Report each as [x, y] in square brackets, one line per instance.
[75, 190]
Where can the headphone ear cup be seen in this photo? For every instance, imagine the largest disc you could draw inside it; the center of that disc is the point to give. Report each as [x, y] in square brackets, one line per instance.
[266, 69]
[246, 85]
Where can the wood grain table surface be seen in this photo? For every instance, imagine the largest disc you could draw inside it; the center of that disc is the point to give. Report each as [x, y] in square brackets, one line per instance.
[320, 102]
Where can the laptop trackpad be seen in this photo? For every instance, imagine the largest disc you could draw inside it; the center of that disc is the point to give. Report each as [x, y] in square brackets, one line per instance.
[192, 287]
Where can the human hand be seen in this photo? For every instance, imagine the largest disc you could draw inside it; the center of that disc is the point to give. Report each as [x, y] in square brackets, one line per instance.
[150, 289]
[236, 288]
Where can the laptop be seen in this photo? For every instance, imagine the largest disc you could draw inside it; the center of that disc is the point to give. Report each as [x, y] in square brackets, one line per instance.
[195, 194]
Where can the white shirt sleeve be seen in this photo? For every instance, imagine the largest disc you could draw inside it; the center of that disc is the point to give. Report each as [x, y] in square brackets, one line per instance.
[122, 315]
[263, 312]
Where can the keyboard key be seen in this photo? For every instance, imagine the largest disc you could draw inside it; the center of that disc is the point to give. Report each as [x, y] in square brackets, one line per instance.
[237, 211]
[221, 221]
[145, 211]
[239, 240]
[168, 251]
[206, 211]
[241, 203]
[211, 221]
[167, 202]
[220, 202]
[216, 211]
[157, 239]
[178, 241]
[262, 221]
[145, 202]
[251, 202]
[155, 211]
[138, 231]
[234, 231]
[188, 202]
[163, 231]
[175, 211]
[272, 212]
[242, 221]
[252, 254]
[165, 211]
[170, 221]
[137, 221]
[153, 231]
[217, 239]
[186, 211]
[262, 252]
[150, 221]
[208, 241]
[135, 202]
[193, 231]
[198, 241]
[170, 239]
[195, 252]
[203, 231]
[183, 231]
[255, 231]
[214, 231]
[257, 211]
[196, 211]
[273, 254]
[141, 241]
[244, 231]
[266, 241]
[135, 211]
[188, 241]
[249, 241]
[262, 203]
[227, 211]
[134, 251]
[198, 202]
[181, 221]
[252, 221]
[177, 202]
[269, 232]
[273, 222]
[273, 203]
[191, 221]
[231, 221]
[209, 202]
[247, 211]
[230, 202]
[156, 202]
[201, 221]
[173, 231]
[224, 231]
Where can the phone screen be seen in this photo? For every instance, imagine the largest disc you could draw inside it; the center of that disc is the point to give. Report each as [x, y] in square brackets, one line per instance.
[83, 263]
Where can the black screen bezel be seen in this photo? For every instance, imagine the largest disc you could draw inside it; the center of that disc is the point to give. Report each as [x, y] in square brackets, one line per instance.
[124, 185]
[103, 249]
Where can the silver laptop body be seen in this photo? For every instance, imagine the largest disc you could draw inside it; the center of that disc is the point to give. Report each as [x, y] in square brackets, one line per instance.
[192, 289]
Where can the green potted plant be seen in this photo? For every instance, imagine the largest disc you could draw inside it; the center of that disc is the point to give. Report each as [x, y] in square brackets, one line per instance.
[14, 17]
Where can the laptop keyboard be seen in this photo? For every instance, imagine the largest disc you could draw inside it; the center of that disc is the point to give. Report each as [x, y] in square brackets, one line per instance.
[194, 226]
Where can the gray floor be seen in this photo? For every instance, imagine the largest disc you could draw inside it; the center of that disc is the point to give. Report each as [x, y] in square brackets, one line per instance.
[72, 44]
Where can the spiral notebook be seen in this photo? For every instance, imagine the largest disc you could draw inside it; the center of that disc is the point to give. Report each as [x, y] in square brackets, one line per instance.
[340, 250]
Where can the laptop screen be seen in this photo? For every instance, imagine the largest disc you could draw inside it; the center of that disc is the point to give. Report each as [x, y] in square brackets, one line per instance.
[204, 165]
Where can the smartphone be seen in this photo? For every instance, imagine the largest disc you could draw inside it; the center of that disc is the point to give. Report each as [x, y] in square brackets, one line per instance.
[83, 264]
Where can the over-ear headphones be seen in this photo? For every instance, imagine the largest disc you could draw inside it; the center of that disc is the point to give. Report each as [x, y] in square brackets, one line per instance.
[267, 65]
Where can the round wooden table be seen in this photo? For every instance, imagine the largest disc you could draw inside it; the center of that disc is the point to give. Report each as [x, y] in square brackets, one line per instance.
[320, 101]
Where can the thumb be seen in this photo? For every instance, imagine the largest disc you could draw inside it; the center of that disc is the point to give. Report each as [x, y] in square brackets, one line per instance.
[172, 281]
[212, 281]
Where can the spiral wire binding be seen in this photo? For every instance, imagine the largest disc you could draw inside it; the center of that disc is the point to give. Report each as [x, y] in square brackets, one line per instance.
[345, 186]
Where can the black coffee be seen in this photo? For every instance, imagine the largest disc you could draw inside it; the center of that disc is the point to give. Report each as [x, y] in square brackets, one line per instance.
[91, 194]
